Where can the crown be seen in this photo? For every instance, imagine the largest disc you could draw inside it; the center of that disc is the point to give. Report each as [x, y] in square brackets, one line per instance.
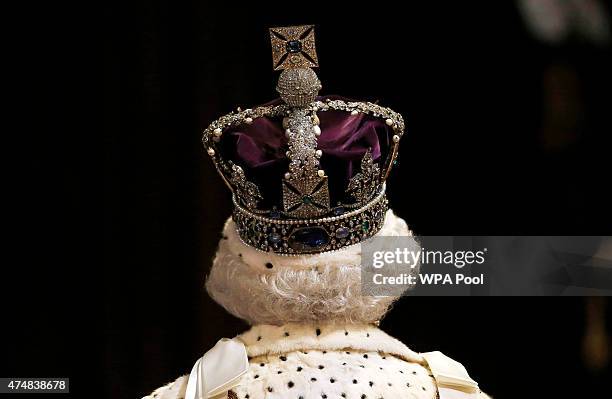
[307, 173]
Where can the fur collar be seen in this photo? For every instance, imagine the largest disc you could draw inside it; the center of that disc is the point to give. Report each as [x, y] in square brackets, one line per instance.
[269, 340]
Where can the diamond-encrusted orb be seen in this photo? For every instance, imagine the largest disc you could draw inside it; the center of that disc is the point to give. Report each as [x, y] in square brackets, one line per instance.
[298, 87]
[342, 232]
[293, 46]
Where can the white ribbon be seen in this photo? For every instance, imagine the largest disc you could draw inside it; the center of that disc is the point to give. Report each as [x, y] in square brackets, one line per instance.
[452, 378]
[218, 371]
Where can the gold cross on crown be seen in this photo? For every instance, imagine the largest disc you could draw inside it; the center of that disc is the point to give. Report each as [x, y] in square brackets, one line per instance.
[293, 47]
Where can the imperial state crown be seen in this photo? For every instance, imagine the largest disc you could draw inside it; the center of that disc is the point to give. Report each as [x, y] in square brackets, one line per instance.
[307, 173]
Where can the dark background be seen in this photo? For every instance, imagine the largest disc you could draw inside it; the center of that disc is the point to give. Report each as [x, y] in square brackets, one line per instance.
[118, 210]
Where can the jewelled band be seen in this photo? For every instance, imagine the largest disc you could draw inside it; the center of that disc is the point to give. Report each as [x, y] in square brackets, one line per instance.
[307, 236]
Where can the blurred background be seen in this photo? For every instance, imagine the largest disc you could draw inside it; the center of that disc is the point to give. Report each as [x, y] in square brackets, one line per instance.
[509, 122]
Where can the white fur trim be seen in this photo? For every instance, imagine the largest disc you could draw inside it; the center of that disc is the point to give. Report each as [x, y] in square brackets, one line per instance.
[272, 340]
[173, 390]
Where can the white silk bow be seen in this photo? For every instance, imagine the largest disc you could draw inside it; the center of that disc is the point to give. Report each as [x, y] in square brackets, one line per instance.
[218, 371]
[451, 377]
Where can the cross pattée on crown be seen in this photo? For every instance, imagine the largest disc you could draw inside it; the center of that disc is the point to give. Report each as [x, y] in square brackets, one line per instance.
[293, 47]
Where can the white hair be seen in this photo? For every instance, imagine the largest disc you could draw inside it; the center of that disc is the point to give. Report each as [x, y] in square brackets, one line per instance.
[265, 288]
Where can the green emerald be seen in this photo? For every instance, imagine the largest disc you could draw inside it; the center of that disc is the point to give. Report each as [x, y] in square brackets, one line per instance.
[365, 225]
[307, 199]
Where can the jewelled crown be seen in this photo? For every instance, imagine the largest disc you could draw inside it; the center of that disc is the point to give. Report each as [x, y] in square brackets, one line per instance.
[307, 173]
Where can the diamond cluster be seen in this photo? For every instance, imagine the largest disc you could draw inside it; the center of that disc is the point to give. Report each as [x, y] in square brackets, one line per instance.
[305, 191]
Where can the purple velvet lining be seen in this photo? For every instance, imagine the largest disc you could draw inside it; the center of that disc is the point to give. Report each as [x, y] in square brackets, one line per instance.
[261, 146]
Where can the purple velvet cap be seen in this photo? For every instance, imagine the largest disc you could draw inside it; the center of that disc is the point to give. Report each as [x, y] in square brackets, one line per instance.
[260, 149]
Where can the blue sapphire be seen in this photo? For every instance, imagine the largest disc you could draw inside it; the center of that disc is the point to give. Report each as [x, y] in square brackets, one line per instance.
[308, 239]
[342, 232]
[339, 211]
[293, 46]
[274, 238]
[275, 214]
